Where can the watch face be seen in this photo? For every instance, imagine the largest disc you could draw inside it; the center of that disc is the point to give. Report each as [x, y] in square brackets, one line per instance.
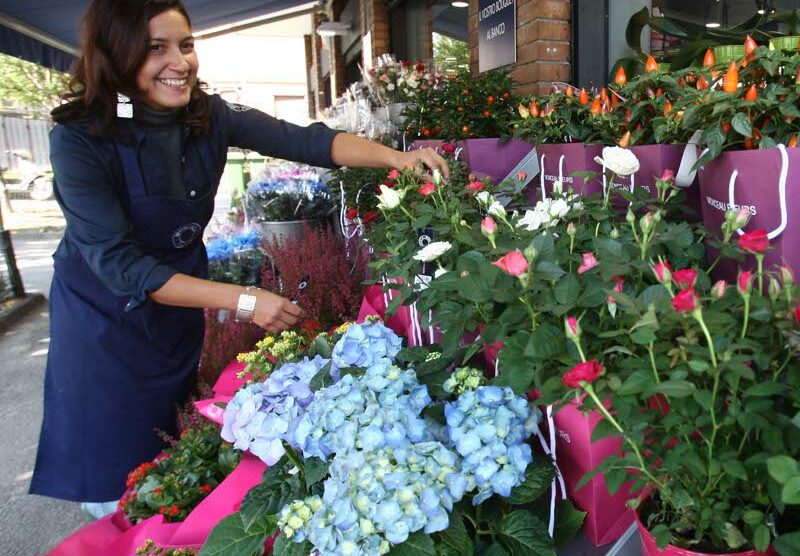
[247, 302]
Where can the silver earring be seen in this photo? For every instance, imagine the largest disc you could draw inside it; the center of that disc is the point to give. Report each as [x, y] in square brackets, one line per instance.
[124, 106]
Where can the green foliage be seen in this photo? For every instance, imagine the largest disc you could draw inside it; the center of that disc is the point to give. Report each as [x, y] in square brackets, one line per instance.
[28, 86]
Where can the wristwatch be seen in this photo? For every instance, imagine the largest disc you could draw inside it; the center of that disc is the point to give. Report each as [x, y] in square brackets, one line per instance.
[246, 306]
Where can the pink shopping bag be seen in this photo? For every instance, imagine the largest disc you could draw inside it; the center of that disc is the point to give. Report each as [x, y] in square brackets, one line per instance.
[115, 535]
[559, 162]
[406, 322]
[607, 516]
[493, 159]
[765, 182]
[210, 408]
[228, 381]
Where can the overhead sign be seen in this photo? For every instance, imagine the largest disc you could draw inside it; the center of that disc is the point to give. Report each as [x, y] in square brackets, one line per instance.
[497, 33]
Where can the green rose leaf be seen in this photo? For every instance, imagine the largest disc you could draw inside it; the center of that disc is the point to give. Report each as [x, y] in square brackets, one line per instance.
[524, 534]
[231, 538]
[765, 389]
[662, 535]
[538, 478]
[782, 468]
[761, 538]
[791, 491]
[495, 549]
[417, 544]
[675, 388]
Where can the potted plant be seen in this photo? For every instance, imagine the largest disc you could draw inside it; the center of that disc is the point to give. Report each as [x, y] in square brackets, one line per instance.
[282, 200]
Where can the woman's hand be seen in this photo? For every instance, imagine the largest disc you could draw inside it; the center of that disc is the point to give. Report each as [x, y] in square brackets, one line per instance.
[274, 313]
[426, 156]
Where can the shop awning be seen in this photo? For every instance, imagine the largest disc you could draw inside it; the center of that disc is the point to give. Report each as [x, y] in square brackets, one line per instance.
[46, 31]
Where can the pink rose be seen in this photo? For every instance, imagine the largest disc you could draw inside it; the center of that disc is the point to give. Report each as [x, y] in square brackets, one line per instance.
[686, 301]
[572, 327]
[663, 272]
[667, 175]
[475, 186]
[426, 189]
[685, 277]
[744, 282]
[514, 263]
[718, 289]
[585, 372]
[589, 262]
[754, 242]
[488, 226]
[619, 283]
[393, 175]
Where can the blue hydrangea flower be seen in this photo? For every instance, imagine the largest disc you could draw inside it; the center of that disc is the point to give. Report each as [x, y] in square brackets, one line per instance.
[261, 416]
[380, 408]
[364, 345]
[489, 427]
[375, 499]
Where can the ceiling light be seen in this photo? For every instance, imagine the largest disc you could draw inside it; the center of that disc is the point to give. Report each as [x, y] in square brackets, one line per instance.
[460, 4]
[333, 28]
[762, 11]
[712, 25]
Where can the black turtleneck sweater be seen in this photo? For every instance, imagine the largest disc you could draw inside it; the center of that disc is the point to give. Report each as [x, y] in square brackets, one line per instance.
[162, 127]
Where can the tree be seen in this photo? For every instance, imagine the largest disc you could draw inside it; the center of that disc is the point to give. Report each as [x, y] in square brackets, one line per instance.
[30, 87]
[450, 54]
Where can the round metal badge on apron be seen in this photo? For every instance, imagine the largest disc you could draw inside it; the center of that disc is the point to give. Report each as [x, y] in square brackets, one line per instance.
[114, 377]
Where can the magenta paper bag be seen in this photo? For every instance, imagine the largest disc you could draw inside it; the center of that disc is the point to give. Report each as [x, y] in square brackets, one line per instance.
[765, 182]
[428, 143]
[209, 408]
[93, 537]
[489, 158]
[405, 322]
[220, 503]
[607, 516]
[559, 161]
[228, 381]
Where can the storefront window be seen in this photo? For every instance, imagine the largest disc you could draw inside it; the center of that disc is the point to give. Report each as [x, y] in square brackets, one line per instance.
[449, 53]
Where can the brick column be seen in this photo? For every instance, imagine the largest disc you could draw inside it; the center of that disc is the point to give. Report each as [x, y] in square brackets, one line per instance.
[310, 88]
[316, 67]
[543, 44]
[375, 20]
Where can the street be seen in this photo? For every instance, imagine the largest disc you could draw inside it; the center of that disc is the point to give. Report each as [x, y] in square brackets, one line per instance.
[29, 525]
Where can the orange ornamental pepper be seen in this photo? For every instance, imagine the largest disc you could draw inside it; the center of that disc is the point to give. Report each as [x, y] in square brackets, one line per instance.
[620, 78]
[792, 142]
[603, 94]
[749, 144]
[628, 113]
[659, 92]
[596, 108]
[614, 101]
[726, 127]
[749, 47]
[534, 109]
[606, 106]
[709, 60]
[730, 82]
[523, 112]
[681, 82]
[667, 107]
[702, 83]
[797, 77]
[570, 93]
[583, 97]
[625, 140]
[751, 94]
[651, 65]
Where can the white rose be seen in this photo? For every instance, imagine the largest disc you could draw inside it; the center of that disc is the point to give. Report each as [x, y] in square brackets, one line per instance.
[437, 177]
[433, 251]
[390, 87]
[484, 198]
[531, 220]
[389, 198]
[558, 187]
[559, 208]
[620, 161]
[497, 210]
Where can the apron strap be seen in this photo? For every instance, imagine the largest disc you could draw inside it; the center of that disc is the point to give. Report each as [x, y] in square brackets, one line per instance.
[134, 180]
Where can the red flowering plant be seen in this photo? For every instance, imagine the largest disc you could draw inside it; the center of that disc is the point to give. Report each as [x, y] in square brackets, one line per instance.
[177, 481]
[617, 314]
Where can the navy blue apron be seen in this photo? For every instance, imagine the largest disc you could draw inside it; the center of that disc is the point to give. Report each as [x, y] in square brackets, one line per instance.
[113, 377]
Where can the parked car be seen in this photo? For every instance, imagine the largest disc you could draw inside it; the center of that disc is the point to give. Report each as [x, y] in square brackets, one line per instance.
[27, 180]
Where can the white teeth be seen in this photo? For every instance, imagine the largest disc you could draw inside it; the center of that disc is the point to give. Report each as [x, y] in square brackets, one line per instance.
[174, 82]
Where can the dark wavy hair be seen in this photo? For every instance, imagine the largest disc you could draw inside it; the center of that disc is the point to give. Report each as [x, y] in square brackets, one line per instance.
[114, 40]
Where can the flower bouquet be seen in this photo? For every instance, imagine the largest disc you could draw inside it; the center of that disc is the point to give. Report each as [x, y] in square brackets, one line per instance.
[236, 258]
[401, 82]
[289, 193]
[365, 461]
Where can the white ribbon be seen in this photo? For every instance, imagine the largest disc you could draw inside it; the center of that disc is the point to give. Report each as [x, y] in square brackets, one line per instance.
[781, 193]
[686, 171]
[558, 480]
[541, 175]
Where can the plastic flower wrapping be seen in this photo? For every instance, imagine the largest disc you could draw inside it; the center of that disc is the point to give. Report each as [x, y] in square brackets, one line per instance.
[392, 470]
[235, 256]
[289, 192]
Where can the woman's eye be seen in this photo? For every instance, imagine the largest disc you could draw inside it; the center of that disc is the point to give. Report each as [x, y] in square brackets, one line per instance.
[188, 47]
[155, 47]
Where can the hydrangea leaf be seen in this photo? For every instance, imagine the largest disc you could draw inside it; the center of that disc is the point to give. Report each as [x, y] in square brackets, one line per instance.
[285, 547]
[569, 520]
[277, 488]
[524, 534]
[231, 538]
[455, 541]
[538, 478]
[417, 544]
[315, 471]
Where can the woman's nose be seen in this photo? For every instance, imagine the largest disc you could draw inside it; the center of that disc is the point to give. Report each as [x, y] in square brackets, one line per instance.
[178, 60]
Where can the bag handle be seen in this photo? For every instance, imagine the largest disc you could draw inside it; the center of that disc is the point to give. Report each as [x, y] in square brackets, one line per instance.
[541, 174]
[686, 171]
[781, 193]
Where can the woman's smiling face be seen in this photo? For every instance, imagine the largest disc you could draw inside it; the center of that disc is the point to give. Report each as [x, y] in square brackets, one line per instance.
[169, 71]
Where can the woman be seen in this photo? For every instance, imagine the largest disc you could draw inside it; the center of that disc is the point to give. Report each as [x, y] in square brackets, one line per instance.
[135, 176]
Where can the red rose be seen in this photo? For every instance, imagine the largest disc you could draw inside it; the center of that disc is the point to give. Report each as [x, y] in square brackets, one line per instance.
[514, 263]
[686, 301]
[797, 314]
[476, 186]
[426, 189]
[352, 213]
[754, 242]
[420, 67]
[743, 282]
[405, 64]
[587, 371]
[389, 183]
[663, 272]
[370, 217]
[685, 277]
[448, 148]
